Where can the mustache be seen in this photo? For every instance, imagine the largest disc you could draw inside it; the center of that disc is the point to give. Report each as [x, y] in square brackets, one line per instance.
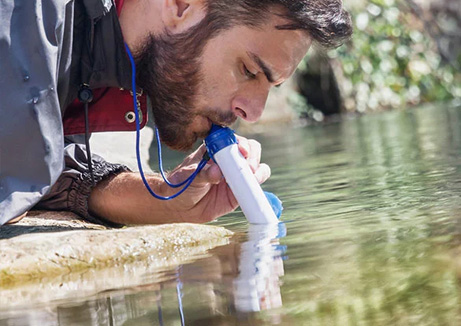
[185, 141]
[222, 118]
[218, 118]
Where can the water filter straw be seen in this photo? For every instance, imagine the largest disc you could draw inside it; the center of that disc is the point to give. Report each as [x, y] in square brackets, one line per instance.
[258, 207]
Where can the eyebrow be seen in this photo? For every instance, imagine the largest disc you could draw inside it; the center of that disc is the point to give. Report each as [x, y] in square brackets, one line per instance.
[266, 70]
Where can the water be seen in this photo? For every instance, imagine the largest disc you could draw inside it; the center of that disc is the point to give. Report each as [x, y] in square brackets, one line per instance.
[372, 222]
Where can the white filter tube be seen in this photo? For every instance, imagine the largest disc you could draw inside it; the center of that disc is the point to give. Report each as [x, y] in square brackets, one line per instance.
[244, 186]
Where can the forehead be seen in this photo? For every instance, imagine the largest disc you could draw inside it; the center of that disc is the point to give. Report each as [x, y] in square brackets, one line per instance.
[281, 50]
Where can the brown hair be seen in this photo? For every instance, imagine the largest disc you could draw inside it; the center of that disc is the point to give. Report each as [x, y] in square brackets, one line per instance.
[326, 21]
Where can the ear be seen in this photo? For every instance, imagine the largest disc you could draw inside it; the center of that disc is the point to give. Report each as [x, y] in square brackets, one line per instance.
[180, 15]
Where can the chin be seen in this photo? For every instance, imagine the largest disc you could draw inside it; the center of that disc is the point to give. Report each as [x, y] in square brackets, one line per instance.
[182, 146]
[182, 142]
[183, 138]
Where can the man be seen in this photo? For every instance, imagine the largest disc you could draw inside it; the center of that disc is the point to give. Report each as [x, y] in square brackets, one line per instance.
[198, 61]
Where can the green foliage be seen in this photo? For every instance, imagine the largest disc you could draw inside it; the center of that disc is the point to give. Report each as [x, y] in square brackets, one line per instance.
[391, 61]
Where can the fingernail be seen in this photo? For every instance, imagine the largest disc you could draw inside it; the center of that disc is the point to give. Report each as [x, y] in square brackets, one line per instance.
[246, 147]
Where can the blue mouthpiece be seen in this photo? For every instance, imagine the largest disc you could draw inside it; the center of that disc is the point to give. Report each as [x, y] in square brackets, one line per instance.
[219, 138]
[215, 128]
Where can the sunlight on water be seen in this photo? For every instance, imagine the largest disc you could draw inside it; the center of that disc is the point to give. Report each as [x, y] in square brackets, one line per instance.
[371, 236]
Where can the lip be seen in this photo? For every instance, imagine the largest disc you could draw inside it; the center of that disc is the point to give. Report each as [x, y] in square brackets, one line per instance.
[210, 123]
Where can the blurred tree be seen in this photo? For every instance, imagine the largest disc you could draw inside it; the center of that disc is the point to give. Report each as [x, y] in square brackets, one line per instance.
[403, 53]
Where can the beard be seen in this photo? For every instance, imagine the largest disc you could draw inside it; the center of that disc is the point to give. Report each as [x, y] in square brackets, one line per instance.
[169, 71]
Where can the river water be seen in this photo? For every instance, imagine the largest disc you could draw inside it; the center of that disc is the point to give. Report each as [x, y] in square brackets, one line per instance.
[371, 235]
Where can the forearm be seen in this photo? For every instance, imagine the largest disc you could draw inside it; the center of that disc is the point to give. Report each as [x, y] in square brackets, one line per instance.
[124, 199]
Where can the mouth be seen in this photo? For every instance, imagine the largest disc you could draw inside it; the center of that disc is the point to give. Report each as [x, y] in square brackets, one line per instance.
[223, 123]
[209, 120]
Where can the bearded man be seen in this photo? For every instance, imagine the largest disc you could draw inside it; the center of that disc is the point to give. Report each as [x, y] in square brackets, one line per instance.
[198, 62]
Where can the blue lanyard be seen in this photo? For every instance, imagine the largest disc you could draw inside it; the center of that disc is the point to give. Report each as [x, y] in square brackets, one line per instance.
[186, 183]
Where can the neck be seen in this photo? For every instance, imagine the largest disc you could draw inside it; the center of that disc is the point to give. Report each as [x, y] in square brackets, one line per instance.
[138, 19]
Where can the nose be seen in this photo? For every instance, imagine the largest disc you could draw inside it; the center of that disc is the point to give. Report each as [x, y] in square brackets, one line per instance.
[250, 107]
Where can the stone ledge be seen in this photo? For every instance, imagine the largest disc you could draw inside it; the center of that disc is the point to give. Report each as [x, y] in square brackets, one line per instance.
[90, 257]
[45, 222]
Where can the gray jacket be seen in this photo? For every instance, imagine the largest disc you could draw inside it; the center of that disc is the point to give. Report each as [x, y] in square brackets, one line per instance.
[48, 48]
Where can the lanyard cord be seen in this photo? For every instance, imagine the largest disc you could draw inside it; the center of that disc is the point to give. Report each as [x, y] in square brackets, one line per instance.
[205, 159]
[186, 183]
[87, 145]
[85, 95]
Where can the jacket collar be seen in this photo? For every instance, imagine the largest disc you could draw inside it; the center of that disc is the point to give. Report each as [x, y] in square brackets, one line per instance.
[97, 9]
[104, 62]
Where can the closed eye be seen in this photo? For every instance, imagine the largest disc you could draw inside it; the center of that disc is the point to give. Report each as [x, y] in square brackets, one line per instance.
[248, 73]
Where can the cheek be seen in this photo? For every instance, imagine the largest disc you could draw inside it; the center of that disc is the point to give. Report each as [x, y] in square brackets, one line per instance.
[219, 86]
[220, 73]
[224, 80]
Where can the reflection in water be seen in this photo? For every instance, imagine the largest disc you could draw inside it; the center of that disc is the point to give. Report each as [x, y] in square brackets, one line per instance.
[241, 277]
[257, 287]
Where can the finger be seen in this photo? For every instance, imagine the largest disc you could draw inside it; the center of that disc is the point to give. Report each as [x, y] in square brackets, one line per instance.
[192, 159]
[243, 145]
[263, 173]
[232, 200]
[255, 154]
[209, 174]
[195, 156]
[182, 173]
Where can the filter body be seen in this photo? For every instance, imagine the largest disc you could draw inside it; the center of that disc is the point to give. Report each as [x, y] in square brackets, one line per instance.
[222, 147]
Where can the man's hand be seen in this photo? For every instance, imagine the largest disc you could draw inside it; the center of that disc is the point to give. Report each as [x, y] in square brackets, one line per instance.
[209, 197]
[124, 199]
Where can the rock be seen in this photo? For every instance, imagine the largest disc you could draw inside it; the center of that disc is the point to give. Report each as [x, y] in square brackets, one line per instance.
[39, 221]
[319, 86]
[44, 265]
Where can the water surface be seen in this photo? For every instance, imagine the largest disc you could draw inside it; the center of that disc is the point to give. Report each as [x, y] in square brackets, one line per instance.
[371, 236]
